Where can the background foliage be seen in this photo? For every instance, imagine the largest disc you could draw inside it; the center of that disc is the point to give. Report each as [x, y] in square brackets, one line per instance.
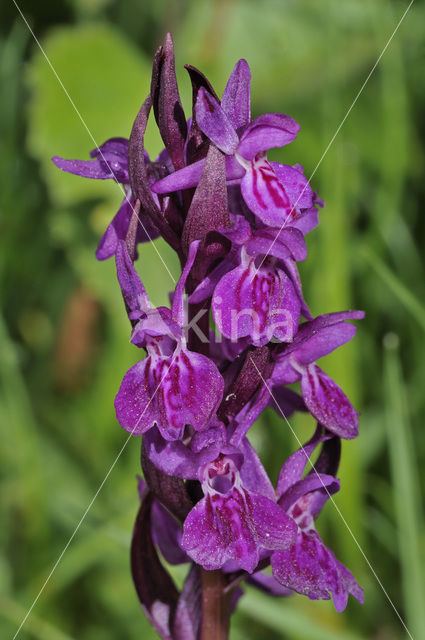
[64, 336]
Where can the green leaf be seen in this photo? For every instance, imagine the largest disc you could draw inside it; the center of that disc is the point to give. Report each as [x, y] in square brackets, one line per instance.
[287, 618]
[397, 286]
[407, 503]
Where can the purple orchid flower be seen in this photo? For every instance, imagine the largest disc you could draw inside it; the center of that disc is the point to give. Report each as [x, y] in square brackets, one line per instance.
[308, 566]
[260, 303]
[173, 387]
[264, 302]
[237, 518]
[276, 193]
[297, 361]
[111, 163]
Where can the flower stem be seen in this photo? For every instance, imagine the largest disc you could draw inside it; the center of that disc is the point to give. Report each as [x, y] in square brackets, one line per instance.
[215, 620]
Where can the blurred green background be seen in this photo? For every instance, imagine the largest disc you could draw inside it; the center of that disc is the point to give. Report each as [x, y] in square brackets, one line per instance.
[64, 335]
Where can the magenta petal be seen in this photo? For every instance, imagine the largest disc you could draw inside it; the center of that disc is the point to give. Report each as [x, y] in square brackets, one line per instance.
[280, 243]
[214, 123]
[265, 195]
[234, 171]
[234, 527]
[253, 474]
[274, 529]
[284, 373]
[266, 132]
[186, 178]
[236, 99]
[310, 568]
[189, 177]
[244, 421]
[175, 458]
[171, 392]
[206, 288]
[202, 539]
[260, 304]
[315, 325]
[292, 270]
[296, 185]
[306, 221]
[113, 157]
[115, 231]
[317, 482]
[133, 291]
[324, 342]
[328, 404]
[136, 405]
[84, 168]
[117, 146]
[293, 469]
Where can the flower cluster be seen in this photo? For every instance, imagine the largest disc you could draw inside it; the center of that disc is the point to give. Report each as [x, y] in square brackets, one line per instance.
[238, 224]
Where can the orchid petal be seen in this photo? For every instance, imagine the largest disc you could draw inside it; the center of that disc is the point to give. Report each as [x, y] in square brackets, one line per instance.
[315, 325]
[328, 404]
[116, 230]
[266, 132]
[206, 288]
[84, 168]
[293, 469]
[214, 123]
[306, 220]
[261, 304]
[292, 271]
[296, 185]
[265, 195]
[117, 146]
[133, 291]
[280, 243]
[236, 99]
[178, 459]
[310, 568]
[313, 482]
[186, 178]
[113, 156]
[235, 527]
[253, 474]
[171, 392]
[324, 342]
[273, 527]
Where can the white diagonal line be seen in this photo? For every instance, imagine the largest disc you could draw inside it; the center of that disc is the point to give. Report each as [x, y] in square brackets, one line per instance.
[90, 134]
[91, 503]
[335, 505]
[369, 75]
